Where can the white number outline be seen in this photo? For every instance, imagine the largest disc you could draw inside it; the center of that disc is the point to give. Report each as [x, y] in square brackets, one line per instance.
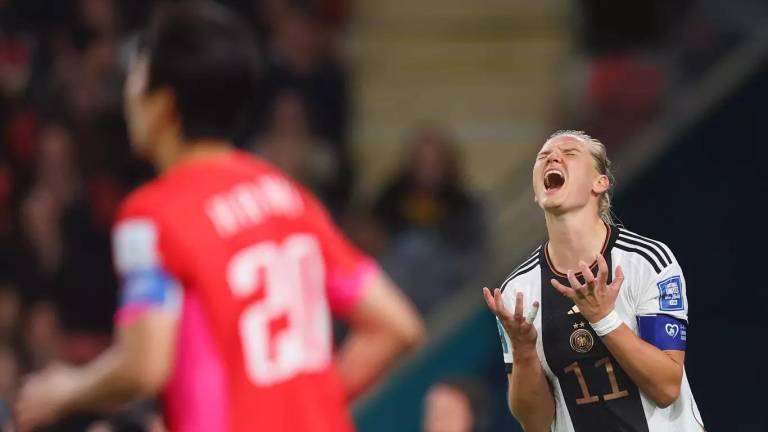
[293, 275]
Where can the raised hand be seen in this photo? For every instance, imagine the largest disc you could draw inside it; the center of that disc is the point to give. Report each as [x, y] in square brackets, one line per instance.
[522, 334]
[595, 298]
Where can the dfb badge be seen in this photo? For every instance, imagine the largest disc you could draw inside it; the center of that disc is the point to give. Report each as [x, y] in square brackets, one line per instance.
[582, 341]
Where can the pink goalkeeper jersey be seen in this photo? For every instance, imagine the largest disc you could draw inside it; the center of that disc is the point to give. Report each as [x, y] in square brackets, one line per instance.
[254, 268]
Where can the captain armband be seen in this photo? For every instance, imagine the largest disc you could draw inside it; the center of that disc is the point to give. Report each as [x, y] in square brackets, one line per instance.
[665, 332]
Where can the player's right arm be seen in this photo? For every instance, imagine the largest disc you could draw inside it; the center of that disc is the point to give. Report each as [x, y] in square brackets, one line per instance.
[530, 398]
[138, 363]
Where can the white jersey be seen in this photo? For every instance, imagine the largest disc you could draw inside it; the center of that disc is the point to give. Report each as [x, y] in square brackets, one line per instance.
[591, 390]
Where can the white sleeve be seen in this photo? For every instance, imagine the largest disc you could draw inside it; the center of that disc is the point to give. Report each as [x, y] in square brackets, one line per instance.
[664, 293]
[145, 284]
[508, 298]
[506, 345]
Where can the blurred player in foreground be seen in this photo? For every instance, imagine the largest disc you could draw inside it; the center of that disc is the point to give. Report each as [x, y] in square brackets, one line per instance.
[230, 270]
[606, 352]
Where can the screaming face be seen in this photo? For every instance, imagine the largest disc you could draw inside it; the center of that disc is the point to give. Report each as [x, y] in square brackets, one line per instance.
[565, 177]
[554, 179]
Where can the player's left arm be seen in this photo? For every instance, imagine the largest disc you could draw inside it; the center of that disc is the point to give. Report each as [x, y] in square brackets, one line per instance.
[138, 363]
[658, 373]
[653, 360]
[383, 325]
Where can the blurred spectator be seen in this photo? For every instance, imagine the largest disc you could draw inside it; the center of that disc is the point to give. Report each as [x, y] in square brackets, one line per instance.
[289, 143]
[9, 373]
[55, 188]
[9, 313]
[436, 228]
[40, 335]
[366, 231]
[6, 200]
[456, 405]
[98, 17]
[619, 109]
[626, 86]
[301, 59]
[641, 54]
[611, 27]
[70, 250]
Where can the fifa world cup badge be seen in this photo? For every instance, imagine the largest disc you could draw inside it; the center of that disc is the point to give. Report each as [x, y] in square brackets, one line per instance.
[671, 294]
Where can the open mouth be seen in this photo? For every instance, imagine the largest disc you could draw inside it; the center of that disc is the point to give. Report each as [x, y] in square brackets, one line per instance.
[553, 180]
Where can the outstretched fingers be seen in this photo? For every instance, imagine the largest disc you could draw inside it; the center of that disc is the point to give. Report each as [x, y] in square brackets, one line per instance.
[589, 279]
[532, 313]
[519, 307]
[489, 300]
[516, 319]
[602, 270]
[562, 289]
[618, 279]
[579, 289]
[501, 309]
[586, 272]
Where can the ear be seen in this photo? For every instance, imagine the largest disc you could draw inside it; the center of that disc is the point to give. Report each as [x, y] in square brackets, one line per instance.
[601, 184]
[165, 105]
[160, 105]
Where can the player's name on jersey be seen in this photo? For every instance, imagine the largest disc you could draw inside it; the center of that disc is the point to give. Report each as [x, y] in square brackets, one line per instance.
[251, 203]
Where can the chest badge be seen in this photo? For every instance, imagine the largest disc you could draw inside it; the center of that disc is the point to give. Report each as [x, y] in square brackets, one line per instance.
[581, 340]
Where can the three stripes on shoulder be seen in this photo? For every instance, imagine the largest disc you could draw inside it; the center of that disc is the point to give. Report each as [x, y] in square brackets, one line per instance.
[656, 253]
[529, 264]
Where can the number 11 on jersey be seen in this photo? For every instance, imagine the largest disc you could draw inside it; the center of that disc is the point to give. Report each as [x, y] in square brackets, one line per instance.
[588, 398]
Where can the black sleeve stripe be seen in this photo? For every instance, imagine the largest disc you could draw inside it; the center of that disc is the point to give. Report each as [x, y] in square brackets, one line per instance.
[647, 249]
[645, 246]
[520, 272]
[525, 270]
[661, 246]
[508, 368]
[641, 253]
[533, 257]
[526, 262]
[652, 243]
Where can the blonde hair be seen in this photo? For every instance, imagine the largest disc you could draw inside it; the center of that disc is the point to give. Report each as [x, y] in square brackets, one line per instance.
[602, 165]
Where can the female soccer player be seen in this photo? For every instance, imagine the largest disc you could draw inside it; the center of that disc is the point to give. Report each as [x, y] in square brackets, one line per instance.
[606, 351]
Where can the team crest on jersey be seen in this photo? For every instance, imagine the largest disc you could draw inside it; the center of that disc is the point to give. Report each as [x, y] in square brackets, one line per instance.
[582, 340]
[671, 294]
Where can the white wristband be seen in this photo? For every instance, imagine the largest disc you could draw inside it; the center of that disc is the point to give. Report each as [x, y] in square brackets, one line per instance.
[611, 322]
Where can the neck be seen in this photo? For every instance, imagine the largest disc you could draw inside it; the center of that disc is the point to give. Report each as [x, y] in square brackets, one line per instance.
[574, 237]
[172, 151]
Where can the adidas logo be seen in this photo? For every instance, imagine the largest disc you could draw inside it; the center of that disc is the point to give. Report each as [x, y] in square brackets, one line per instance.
[574, 310]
